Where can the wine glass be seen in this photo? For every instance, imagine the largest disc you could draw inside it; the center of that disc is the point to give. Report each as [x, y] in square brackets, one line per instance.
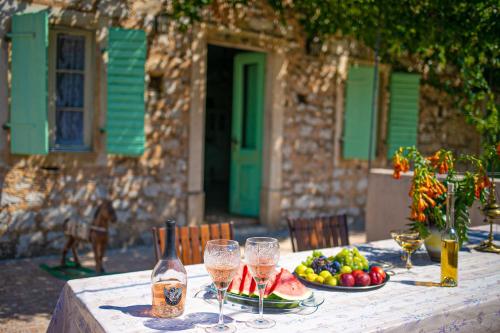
[395, 236]
[262, 255]
[222, 260]
[410, 241]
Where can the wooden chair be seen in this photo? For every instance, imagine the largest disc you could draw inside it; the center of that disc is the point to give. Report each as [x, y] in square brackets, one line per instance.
[191, 240]
[318, 232]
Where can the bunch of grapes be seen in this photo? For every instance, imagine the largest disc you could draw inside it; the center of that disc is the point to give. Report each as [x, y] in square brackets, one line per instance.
[318, 264]
[323, 264]
[352, 258]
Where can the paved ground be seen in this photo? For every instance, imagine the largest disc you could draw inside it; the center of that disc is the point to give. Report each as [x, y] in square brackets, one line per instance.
[28, 294]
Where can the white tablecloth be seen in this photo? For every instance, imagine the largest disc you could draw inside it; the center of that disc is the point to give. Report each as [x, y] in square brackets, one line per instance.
[120, 303]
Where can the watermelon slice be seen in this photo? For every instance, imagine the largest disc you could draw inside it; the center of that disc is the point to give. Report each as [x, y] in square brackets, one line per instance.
[288, 287]
[244, 278]
[248, 285]
[253, 286]
[237, 283]
[254, 291]
[273, 281]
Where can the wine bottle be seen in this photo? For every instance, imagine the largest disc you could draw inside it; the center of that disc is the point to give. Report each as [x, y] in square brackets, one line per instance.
[449, 243]
[169, 280]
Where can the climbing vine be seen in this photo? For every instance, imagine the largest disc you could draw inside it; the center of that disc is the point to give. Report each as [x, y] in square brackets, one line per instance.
[455, 44]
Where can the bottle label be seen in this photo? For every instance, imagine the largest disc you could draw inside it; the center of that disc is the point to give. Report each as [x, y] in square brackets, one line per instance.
[172, 295]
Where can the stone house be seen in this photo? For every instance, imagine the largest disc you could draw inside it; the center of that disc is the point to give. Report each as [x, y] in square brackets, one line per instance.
[239, 115]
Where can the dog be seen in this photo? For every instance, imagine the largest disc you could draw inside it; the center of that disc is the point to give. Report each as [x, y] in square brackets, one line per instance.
[95, 232]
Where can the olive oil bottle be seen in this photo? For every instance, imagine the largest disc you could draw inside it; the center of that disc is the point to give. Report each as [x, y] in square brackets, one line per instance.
[449, 243]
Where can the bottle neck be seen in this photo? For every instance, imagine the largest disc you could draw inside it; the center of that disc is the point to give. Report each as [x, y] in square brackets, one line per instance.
[450, 208]
[170, 250]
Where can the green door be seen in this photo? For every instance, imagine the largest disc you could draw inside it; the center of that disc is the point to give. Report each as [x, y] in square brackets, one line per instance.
[246, 133]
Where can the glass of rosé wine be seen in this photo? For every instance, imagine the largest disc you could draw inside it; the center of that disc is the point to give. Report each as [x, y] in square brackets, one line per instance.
[222, 260]
[261, 255]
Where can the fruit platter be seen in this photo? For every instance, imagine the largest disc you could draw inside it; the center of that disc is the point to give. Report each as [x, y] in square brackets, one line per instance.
[348, 270]
[283, 291]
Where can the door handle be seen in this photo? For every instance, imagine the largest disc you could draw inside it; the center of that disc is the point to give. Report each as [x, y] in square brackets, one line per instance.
[234, 141]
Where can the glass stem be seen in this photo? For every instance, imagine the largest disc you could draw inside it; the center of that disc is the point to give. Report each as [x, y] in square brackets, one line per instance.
[408, 260]
[221, 293]
[262, 288]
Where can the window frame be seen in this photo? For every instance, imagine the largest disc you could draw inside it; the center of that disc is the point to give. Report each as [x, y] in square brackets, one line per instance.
[88, 101]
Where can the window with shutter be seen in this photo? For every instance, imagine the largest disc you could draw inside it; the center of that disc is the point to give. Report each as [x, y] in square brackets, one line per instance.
[28, 113]
[70, 89]
[357, 116]
[403, 116]
[125, 114]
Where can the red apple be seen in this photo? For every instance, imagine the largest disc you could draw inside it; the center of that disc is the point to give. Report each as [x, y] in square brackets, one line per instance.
[378, 270]
[362, 279]
[347, 280]
[376, 278]
[357, 272]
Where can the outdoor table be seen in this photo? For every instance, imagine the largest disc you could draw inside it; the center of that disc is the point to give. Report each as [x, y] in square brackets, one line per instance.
[408, 303]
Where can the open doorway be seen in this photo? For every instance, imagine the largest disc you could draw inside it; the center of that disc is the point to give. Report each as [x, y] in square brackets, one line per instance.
[218, 130]
[233, 133]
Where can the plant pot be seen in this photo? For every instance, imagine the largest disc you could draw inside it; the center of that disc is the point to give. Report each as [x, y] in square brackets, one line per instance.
[433, 244]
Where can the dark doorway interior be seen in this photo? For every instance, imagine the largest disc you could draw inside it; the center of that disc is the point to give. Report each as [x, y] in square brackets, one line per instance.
[218, 111]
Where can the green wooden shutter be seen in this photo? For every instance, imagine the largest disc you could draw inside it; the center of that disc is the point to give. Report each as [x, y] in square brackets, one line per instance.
[403, 116]
[125, 115]
[357, 117]
[28, 113]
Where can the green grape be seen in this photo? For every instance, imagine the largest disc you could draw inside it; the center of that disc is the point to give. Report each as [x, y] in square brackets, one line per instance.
[355, 251]
[317, 254]
[348, 262]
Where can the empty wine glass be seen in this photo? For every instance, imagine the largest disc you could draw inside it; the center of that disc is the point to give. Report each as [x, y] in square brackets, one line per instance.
[410, 241]
[262, 255]
[222, 260]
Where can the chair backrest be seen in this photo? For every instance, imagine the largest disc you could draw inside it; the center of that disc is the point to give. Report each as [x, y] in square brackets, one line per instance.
[318, 232]
[191, 240]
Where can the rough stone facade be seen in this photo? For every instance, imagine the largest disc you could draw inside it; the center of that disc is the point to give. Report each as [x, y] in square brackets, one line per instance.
[313, 182]
[442, 125]
[39, 193]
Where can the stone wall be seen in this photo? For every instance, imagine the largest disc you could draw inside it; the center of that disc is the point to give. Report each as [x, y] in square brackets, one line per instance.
[314, 183]
[442, 125]
[39, 193]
